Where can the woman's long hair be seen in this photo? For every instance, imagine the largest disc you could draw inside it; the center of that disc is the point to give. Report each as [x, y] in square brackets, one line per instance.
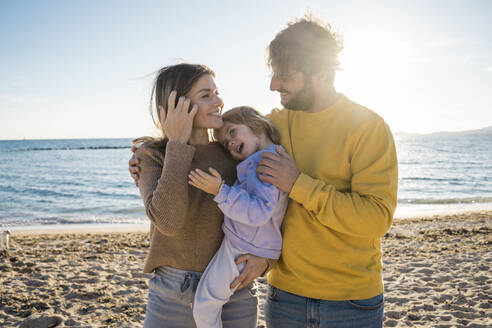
[180, 77]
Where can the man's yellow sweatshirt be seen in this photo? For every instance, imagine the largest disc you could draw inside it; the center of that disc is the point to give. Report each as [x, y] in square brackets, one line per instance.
[341, 204]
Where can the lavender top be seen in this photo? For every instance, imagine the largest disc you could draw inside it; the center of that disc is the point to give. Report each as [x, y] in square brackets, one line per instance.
[253, 210]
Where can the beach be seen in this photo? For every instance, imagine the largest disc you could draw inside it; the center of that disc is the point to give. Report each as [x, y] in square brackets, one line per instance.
[436, 274]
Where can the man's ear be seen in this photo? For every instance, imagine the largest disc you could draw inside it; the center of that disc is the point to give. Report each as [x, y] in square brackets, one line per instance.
[322, 77]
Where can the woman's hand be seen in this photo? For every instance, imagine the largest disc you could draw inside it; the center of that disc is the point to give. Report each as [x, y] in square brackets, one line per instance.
[206, 182]
[255, 267]
[178, 123]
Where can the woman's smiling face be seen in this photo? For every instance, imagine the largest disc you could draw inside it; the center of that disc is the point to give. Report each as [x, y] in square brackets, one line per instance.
[205, 95]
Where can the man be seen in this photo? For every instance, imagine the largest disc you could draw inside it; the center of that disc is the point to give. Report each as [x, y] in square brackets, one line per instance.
[340, 171]
[341, 176]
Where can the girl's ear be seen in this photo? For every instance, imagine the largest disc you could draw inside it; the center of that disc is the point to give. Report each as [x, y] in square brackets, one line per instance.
[265, 137]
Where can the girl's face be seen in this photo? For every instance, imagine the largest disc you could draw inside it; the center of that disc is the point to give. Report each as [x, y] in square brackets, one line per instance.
[239, 140]
[205, 95]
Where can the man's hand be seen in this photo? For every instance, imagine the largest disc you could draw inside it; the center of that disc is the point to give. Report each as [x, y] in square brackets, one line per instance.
[134, 166]
[255, 267]
[279, 170]
[206, 182]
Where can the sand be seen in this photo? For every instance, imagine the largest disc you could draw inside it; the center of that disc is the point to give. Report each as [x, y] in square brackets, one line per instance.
[436, 274]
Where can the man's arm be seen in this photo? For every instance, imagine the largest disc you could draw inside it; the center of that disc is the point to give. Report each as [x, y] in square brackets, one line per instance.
[134, 166]
[367, 210]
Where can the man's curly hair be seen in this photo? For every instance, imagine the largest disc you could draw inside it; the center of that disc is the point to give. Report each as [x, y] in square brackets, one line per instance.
[306, 45]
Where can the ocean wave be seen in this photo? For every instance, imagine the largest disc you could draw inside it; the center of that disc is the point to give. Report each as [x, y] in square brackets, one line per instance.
[46, 193]
[427, 201]
[34, 191]
[41, 221]
[448, 180]
[102, 209]
[130, 210]
[69, 148]
[8, 189]
[114, 195]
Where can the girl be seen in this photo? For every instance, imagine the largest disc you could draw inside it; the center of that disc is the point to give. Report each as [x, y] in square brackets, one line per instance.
[253, 209]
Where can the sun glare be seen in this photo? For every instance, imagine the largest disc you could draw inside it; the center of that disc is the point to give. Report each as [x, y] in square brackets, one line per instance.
[367, 66]
[374, 74]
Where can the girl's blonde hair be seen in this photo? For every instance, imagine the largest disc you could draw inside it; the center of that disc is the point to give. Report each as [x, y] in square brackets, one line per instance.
[253, 119]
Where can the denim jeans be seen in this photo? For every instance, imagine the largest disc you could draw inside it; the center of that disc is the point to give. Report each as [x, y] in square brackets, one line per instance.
[171, 295]
[286, 310]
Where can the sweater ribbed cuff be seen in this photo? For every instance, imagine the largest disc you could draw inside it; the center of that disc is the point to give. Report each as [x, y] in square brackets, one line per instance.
[301, 188]
[222, 195]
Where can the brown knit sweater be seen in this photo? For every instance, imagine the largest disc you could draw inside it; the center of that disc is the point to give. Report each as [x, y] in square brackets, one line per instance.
[186, 224]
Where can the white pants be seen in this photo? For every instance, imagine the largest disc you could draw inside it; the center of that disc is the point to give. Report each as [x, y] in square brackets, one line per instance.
[214, 290]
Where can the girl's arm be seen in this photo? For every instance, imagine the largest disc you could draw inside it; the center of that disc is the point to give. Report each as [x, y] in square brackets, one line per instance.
[253, 207]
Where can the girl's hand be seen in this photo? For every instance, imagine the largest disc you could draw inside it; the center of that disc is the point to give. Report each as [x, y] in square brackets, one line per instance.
[206, 182]
[178, 123]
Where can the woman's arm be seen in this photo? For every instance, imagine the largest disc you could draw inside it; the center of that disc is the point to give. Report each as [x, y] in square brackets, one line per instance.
[163, 182]
[163, 185]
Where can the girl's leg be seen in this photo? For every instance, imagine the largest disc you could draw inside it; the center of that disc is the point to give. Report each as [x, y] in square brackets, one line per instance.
[213, 293]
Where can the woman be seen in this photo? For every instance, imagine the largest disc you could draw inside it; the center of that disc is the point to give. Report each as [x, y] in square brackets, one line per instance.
[185, 222]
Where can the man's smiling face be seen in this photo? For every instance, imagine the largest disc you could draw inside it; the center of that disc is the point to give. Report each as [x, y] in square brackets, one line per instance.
[296, 91]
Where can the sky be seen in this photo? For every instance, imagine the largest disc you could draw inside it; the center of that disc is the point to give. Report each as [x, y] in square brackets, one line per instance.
[84, 69]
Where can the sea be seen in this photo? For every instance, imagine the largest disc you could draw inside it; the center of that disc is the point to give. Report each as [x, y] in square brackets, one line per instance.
[86, 181]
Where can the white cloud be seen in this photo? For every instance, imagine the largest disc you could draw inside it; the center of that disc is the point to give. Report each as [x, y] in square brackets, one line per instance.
[488, 69]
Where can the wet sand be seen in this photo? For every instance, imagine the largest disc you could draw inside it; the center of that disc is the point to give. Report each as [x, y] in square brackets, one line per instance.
[437, 273]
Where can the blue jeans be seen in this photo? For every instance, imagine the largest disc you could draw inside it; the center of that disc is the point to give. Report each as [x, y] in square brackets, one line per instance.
[286, 310]
[171, 295]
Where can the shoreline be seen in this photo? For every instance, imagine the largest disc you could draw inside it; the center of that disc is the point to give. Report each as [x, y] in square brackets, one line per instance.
[436, 273]
[405, 211]
[73, 228]
[76, 228]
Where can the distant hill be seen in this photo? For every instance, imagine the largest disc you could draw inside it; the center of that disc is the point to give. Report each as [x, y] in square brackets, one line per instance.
[483, 131]
[479, 132]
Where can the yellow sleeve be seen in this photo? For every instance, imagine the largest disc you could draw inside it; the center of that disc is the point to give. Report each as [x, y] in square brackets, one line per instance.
[367, 209]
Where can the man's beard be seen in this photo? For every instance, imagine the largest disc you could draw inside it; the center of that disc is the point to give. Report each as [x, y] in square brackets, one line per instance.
[303, 100]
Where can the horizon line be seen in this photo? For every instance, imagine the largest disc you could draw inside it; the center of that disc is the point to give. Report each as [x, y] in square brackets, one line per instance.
[395, 133]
